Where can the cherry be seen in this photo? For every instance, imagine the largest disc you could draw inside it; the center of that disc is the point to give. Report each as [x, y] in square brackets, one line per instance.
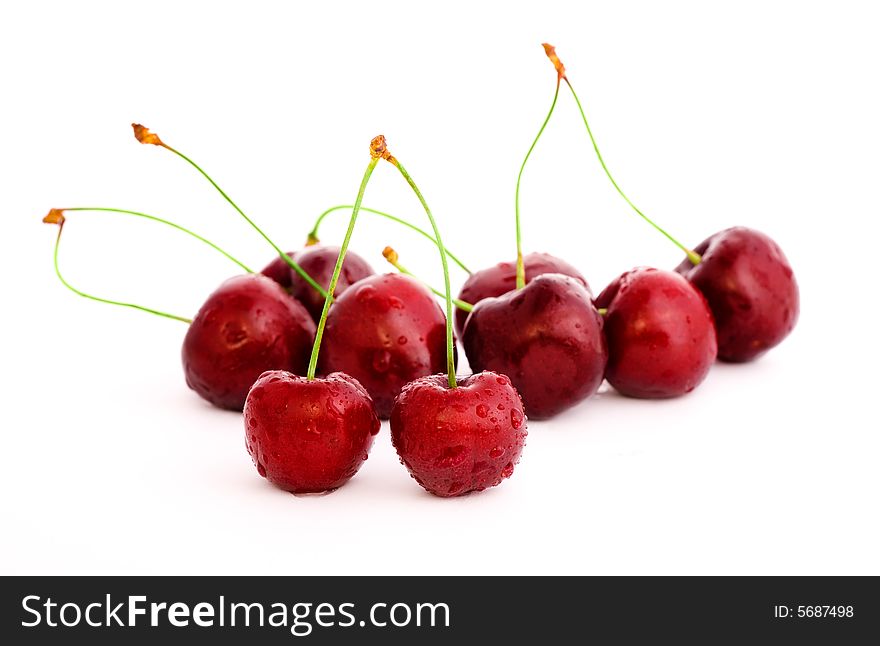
[318, 261]
[308, 436]
[501, 278]
[385, 331]
[750, 288]
[455, 436]
[462, 439]
[661, 338]
[246, 327]
[279, 271]
[547, 337]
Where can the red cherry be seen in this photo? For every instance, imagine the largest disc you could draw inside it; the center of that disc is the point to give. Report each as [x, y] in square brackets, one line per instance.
[500, 279]
[308, 436]
[661, 338]
[385, 331]
[462, 439]
[249, 325]
[318, 262]
[751, 290]
[547, 337]
[279, 271]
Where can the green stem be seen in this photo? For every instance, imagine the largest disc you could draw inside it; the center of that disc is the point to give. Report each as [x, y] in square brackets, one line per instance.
[293, 265]
[460, 304]
[328, 299]
[694, 257]
[106, 300]
[450, 341]
[520, 267]
[169, 223]
[313, 234]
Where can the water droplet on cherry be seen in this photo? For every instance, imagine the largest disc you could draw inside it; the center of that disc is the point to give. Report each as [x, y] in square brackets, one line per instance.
[516, 418]
[381, 360]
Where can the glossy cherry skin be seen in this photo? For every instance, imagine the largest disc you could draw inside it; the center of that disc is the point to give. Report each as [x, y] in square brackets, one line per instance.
[308, 436]
[750, 288]
[384, 331]
[501, 278]
[249, 325]
[547, 337]
[279, 271]
[457, 440]
[661, 337]
[317, 261]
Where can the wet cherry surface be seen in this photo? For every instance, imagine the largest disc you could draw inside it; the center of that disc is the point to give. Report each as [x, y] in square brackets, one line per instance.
[501, 278]
[751, 290]
[547, 337]
[457, 440]
[247, 326]
[279, 271]
[317, 261]
[385, 331]
[661, 338]
[308, 436]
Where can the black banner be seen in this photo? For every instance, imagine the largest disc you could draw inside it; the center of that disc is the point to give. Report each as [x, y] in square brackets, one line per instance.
[440, 610]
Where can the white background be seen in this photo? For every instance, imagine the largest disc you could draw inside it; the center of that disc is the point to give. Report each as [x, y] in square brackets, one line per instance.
[761, 114]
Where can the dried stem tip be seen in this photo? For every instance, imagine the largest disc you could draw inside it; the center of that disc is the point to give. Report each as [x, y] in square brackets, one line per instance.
[55, 216]
[550, 50]
[390, 255]
[143, 135]
[379, 148]
[312, 240]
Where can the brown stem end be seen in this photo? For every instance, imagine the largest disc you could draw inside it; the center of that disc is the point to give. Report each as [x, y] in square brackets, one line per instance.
[550, 50]
[379, 149]
[55, 216]
[390, 255]
[143, 135]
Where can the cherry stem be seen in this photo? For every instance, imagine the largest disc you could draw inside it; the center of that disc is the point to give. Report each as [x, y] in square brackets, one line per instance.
[328, 299]
[393, 259]
[520, 267]
[314, 239]
[144, 136]
[56, 216]
[170, 224]
[693, 256]
[602, 311]
[450, 340]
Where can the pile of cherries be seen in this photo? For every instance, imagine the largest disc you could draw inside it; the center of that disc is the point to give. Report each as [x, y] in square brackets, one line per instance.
[316, 348]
